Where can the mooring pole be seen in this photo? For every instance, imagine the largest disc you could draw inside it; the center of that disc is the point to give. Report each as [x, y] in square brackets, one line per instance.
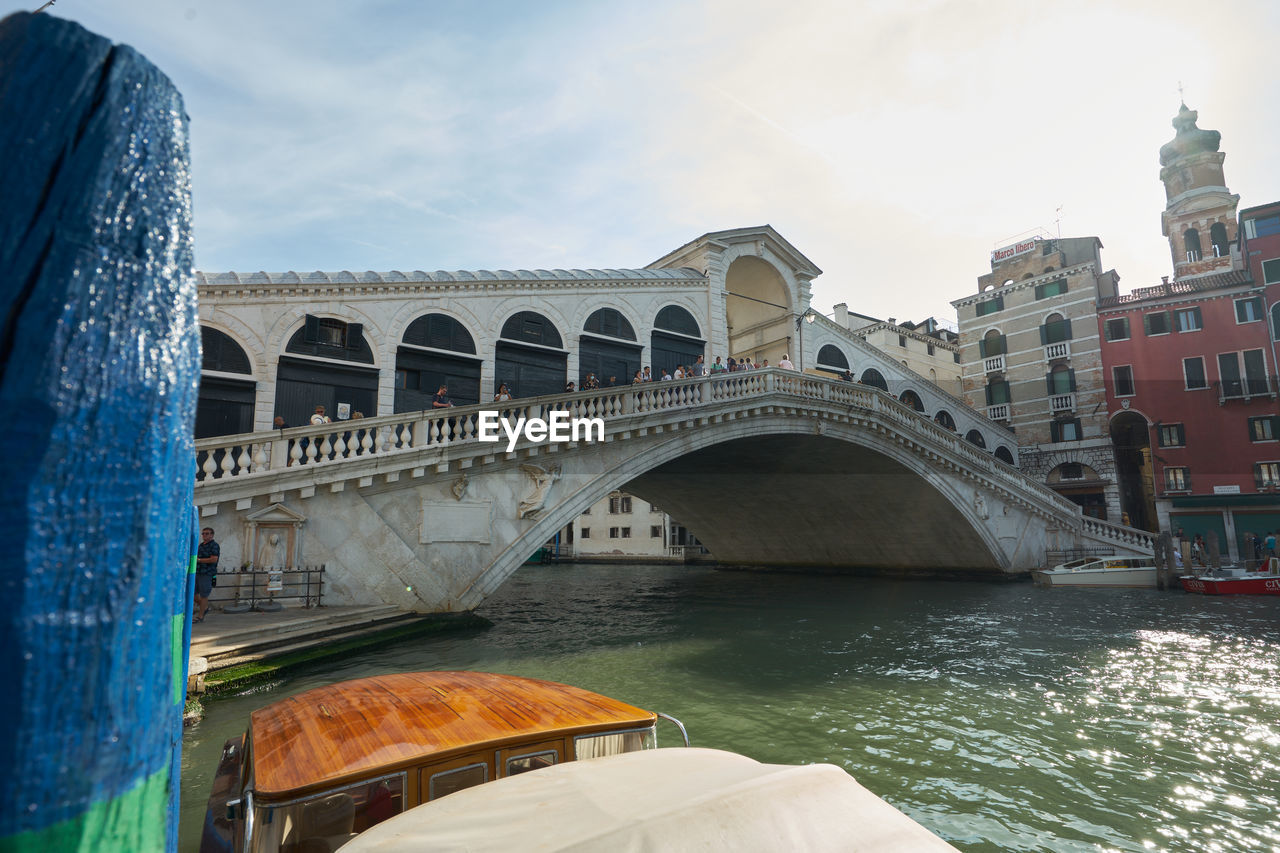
[99, 366]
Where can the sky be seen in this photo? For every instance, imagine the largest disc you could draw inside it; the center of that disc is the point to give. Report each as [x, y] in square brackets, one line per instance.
[894, 143]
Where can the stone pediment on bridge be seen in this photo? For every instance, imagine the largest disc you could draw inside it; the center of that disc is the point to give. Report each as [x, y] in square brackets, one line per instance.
[276, 513]
[763, 236]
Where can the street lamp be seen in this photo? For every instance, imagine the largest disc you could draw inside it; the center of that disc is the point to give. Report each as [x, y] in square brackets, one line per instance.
[809, 316]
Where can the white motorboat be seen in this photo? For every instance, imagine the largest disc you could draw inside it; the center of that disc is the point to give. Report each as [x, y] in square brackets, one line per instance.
[1123, 572]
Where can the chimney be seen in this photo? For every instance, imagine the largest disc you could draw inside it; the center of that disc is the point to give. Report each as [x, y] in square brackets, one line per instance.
[1165, 280]
[841, 314]
[892, 322]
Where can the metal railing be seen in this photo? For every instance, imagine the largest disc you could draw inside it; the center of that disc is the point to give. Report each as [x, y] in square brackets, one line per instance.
[266, 588]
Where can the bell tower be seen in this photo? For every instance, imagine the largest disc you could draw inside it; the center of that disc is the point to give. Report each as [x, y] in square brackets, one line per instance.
[1199, 217]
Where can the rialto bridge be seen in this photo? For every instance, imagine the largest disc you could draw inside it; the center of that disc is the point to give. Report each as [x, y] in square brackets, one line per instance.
[768, 467]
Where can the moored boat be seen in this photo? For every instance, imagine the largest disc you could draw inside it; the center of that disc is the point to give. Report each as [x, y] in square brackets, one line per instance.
[316, 769]
[1232, 581]
[663, 799]
[1113, 571]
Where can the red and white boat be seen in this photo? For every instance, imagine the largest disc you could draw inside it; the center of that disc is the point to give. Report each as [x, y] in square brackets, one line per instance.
[1233, 581]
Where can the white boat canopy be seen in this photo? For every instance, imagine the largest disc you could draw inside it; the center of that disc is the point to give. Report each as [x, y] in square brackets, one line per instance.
[658, 800]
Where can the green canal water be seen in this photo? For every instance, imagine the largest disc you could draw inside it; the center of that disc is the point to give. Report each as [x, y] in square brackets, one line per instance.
[1000, 716]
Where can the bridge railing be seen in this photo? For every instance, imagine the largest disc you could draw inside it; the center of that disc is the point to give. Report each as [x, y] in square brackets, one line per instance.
[1119, 534]
[251, 454]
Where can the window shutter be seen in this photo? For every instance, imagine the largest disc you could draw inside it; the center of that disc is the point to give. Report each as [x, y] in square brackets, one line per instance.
[982, 348]
[355, 336]
[988, 390]
[1066, 330]
[1048, 383]
[1146, 324]
[1257, 477]
[1044, 337]
[1186, 479]
[1055, 431]
[311, 331]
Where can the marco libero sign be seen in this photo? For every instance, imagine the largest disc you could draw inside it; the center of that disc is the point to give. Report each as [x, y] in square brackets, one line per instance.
[557, 427]
[1003, 254]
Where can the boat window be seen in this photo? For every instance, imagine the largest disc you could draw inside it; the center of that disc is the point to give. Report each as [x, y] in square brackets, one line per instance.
[445, 783]
[331, 818]
[533, 761]
[612, 743]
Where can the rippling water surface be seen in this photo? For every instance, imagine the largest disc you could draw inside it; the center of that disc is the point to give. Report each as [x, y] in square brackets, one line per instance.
[1001, 716]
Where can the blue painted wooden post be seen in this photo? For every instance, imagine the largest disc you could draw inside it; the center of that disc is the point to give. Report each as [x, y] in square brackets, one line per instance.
[99, 365]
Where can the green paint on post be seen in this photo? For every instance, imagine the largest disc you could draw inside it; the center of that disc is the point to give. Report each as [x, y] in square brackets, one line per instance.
[131, 822]
[179, 665]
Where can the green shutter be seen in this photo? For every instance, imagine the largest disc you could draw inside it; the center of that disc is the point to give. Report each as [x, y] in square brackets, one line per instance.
[1044, 336]
[982, 348]
[311, 331]
[1071, 379]
[1048, 383]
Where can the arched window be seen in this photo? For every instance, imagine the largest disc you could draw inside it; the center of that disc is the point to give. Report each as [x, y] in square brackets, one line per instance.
[912, 399]
[992, 344]
[220, 353]
[943, 419]
[831, 356]
[1275, 322]
[676, 340]
[975, 438]
[439, 331]
[611, 323]
[872, 377]
[673, 318]
[419, 372]
[339, 374]
[1191, 239]
[530, 359]
[1061, 380]
[1218, 237]
[328, 337]
[530, 327]
[1003, 454]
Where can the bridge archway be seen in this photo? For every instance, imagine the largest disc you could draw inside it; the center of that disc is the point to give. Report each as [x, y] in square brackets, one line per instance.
[759, 308]
[227, 386]
[530, 356]
[1131, 438]
[436, 350]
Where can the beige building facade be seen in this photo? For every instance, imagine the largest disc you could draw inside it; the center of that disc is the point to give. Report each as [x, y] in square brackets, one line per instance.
[1031, 359]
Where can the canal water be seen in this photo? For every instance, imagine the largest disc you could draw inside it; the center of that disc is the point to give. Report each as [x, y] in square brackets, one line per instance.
[1000, 716]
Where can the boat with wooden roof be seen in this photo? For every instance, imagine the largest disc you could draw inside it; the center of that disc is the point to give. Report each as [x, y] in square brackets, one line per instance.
[316, 769]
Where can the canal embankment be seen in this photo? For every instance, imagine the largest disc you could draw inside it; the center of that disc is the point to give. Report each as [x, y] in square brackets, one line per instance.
[236, 651]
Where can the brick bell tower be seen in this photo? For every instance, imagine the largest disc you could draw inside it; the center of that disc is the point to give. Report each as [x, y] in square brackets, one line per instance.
[1199, 217]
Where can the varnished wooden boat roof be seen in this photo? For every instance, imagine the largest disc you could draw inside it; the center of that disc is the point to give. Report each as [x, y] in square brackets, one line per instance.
[331, 734]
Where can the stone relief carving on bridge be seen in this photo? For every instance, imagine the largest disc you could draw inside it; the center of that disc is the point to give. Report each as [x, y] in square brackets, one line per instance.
[980, 506]
[540, 481]
[459, 487]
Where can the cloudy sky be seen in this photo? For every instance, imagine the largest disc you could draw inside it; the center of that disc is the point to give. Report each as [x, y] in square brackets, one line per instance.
[893, 142]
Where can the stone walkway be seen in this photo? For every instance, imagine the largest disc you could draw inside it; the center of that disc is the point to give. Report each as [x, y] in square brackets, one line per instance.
[228, 639]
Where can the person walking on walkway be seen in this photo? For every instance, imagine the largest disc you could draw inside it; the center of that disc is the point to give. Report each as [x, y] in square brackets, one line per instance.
[206, 572]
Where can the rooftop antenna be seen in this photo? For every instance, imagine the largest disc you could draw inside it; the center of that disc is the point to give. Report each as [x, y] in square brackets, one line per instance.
[1181, 98]
[45, 6]
[1058, 220]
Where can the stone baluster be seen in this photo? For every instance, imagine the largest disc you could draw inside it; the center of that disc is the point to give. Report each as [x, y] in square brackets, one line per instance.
[260, 459]
[326, 449]
[339, 447]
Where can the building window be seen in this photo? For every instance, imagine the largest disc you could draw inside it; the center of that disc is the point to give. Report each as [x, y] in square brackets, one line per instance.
[1055, 330]
[654, 508]
[626, 533]
[1266, 475]
[1275, 322]
[1263, 226]
[1218, 239]
[1156, 324]
[1065, 430]
[902, 341]
[1117, 329]
[613, 533]
[929, 348]
[655, 531]
[1122, 377]
[1187, 319]
[585, 534]
[620, 505]
[1249, 310]
[991, 306]
[992, 343]
[1191, 239]
[997, 392]
[1071, 471]
[1060, 380]
[1177, 479]
[1264, 428]
[1193, 371]
[1053, 288]
[1271, 271]
[1252, 382]
[1172, 435]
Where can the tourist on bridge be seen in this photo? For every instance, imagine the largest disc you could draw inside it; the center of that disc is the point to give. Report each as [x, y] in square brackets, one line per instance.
[441, 399]
[700, 367]
[569, 387]
[648, 376]
[638, 379]
[613, 382]
[206, 572]
[679, 374]
[786, 363]
[592, 384]
[717, 367]
[319, 417]
[733, 365]
[666, 377]
[279, 423]
[504, 394]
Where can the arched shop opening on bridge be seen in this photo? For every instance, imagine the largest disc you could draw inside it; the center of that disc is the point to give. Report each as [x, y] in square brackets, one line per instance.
[227, 388]
[831, 359]
[530, 356]
[759, 310]
[676, 340]
[327, 363]
[608, 348]
[436, 350]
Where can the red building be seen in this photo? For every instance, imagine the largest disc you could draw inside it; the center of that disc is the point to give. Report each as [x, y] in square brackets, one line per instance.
[1190, 364]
